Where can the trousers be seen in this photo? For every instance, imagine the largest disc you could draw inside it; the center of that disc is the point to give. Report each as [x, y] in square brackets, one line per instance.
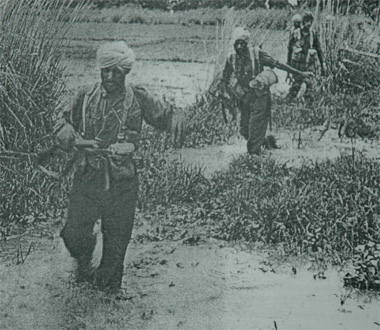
[254, 120]
[89, 202]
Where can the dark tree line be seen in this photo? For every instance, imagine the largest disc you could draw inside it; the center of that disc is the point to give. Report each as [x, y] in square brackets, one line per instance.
[367, 7]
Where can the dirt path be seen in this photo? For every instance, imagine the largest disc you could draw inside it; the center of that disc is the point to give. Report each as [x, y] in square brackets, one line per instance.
[171, 285]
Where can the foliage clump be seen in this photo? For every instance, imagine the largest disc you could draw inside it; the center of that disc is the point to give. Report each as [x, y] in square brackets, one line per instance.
[31, 88]
[366, 263]
[323, 209]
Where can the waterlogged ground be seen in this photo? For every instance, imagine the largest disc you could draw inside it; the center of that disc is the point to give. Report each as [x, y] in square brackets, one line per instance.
[181, 284]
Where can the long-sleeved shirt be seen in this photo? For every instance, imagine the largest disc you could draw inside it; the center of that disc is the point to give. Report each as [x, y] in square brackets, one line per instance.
[97, 116]
[245, 68]
[240, 70]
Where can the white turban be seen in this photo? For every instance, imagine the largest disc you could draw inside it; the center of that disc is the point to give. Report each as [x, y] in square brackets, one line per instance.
[115, 53]
[240, 33]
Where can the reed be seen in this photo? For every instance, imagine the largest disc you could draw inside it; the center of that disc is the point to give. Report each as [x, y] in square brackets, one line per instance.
[31, 89]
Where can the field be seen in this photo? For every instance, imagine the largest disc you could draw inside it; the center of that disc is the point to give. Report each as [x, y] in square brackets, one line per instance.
[172, 59]
[223, 240]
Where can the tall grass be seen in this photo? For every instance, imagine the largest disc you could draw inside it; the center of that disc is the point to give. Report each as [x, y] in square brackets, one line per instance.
[30, 90]
[327, 210]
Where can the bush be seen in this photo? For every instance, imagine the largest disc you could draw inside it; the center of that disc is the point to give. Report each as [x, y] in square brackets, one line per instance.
[327, 210]
[30, 77]
[164, 182]
[305, 209]
[366, 263]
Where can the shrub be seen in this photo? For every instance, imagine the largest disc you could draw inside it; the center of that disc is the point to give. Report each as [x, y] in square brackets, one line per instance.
[327, 210]
[164, 182]
[31, 88]
[116, 18]
[306, 209]
[366, 263]
[136, 20]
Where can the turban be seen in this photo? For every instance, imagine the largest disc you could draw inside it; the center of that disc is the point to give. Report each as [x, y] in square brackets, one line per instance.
[297, 18]
[240, 33]
[115, 53]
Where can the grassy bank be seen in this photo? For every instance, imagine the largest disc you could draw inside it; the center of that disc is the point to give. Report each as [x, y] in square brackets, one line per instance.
[328, 210]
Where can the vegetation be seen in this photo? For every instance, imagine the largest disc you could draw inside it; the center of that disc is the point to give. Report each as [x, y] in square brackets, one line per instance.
[31, 88]
[367, 7]
[328, 210]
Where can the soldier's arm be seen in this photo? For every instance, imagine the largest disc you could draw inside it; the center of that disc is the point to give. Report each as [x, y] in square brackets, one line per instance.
[268, 60]
[72, 113]
[153, 112]
[221, 80]
[68, 123]
[160, 117]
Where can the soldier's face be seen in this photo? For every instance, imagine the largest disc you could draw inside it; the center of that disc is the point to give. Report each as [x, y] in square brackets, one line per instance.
[240, 46]
[113, 78]
[307, 24]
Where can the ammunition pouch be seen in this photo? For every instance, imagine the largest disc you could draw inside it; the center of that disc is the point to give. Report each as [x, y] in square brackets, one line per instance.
[122, 167]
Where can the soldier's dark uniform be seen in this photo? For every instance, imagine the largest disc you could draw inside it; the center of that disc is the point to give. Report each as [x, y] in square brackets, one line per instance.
[255, 105]
[303, 49]
[103, 189]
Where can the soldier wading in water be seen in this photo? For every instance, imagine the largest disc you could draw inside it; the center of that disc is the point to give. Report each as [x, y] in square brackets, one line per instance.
[106, 187]
[248, 84]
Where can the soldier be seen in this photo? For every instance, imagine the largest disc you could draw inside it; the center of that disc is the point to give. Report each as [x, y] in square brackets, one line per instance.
[296, 19]
[303, 48]
[106, 187]
[248, 84]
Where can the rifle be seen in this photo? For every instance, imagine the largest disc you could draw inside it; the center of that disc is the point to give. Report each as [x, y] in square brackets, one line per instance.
[80, 145]
[220, 98]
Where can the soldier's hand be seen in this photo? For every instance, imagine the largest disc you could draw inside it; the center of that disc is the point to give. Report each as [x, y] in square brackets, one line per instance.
[257, 84]
[288, 79]
[308, 74]
[65, 135]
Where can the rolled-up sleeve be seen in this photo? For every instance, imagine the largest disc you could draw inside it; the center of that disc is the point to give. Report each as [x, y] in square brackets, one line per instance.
[267, 60]
[153, 112]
